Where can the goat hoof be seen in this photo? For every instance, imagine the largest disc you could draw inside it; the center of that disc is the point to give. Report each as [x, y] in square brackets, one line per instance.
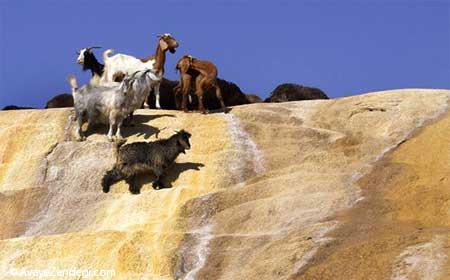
[106, 189]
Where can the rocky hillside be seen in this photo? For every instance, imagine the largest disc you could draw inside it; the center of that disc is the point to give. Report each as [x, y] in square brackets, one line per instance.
[352, 188]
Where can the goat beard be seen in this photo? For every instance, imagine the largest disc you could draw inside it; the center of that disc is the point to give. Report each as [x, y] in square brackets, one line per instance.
[85, 67]
[172, 50]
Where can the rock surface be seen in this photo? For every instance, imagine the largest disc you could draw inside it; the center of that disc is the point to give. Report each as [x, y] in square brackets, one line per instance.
[352, 188]
[294, 92]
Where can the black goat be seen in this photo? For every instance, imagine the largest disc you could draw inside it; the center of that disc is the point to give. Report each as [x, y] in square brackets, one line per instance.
[87, 59]
[142, 157]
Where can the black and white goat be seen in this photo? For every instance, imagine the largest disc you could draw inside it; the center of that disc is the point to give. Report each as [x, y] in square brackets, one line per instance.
[87, 59]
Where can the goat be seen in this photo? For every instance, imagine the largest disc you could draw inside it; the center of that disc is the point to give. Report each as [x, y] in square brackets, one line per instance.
[142, 157]
[129, 64]
[142, 90]
[108, 104]
[204, 74]
[87, 59]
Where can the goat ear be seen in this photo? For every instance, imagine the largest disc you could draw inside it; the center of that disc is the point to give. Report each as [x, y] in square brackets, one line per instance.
[163, 44]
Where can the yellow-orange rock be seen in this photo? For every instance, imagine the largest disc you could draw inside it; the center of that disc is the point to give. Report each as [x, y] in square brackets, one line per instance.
[268, 191]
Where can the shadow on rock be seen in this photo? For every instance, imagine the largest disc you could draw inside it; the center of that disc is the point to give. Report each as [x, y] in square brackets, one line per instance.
[173, 174]
[138, 128]
[147, 118]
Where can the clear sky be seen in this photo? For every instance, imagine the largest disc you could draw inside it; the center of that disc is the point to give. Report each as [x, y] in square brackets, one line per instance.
[343, 47]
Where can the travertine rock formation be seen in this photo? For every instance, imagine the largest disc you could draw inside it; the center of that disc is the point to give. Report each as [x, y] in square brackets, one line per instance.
[352, 188]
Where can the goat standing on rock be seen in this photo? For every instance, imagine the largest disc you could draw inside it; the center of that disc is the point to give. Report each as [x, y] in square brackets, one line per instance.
[142, 157]
[109, 104]
[129, 64]
[204, 73]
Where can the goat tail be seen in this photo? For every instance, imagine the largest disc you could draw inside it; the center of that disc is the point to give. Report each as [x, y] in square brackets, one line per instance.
[107, 53]
[73, 83]
[111, 177]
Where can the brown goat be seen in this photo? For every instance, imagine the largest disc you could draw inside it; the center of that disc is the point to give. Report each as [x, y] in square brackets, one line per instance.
[203, 73]
[166, 43]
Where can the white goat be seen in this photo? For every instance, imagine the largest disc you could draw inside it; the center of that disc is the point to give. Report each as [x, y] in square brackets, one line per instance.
[128, 64]
[109, 104]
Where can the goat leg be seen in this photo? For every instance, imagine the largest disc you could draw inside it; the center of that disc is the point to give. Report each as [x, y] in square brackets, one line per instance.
[201, 108]
[111, 177]
[133, 187]
[80, 136]
[184, 103]
[201, 83]
[112, 124]
[219, 96]
[157, 183]
[156, 87]
[146, 103]
[185, 88]
[118, 132]
[176, 93]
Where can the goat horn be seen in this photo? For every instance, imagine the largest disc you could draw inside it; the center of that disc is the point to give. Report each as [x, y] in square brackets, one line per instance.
[151, 71]
[134, 74]
[94, 47]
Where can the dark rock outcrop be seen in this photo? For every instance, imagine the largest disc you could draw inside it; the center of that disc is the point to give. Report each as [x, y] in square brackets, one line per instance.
[231, 93]
[166, 95]
[295, 92]
[60, 101]
[14, 107]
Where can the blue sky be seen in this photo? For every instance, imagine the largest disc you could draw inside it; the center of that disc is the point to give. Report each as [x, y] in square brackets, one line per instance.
[343, 47]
